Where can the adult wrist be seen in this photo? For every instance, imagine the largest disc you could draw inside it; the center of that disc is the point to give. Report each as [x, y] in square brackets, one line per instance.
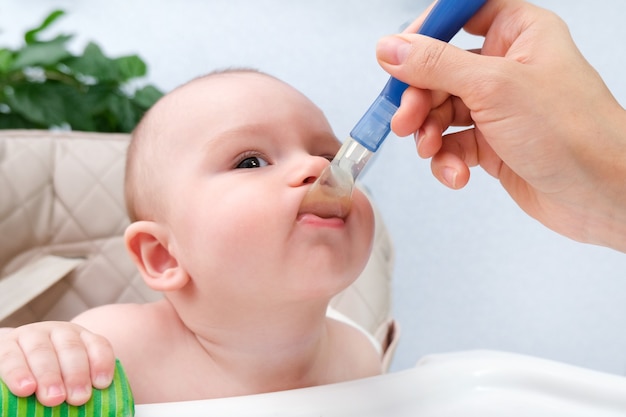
[607, 171]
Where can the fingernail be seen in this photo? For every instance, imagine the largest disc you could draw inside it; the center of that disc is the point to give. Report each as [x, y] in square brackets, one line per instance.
[80, 392]
[419, 139]
[54, 391]
[393, 50]
[102, 381]
[449, 177]
[26, 383]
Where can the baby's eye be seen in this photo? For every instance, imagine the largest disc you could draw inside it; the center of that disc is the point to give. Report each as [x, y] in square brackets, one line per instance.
[252, 162]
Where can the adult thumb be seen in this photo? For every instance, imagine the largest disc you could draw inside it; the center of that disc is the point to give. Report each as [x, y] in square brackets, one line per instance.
[431, 64]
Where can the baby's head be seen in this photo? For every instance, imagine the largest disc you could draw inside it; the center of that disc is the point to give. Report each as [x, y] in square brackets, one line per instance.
[216, 172]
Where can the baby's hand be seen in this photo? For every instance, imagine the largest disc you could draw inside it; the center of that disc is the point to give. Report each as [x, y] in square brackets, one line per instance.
[59, 361]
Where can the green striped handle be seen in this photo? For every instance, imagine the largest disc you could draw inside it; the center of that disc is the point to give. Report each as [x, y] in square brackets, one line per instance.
[114, 401]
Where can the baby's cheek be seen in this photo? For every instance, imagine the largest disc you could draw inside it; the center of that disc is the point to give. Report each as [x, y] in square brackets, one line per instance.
[364, 219]
[361, 201]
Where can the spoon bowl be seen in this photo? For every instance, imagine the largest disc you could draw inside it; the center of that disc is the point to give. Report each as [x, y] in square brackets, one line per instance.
[331, 194]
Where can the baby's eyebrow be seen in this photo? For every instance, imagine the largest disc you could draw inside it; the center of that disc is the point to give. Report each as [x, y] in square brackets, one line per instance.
[236, 135]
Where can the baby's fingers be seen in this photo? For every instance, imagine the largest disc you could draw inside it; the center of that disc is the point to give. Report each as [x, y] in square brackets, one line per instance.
[14, 370]
[101, 359]
[39, 354]
[74, 362]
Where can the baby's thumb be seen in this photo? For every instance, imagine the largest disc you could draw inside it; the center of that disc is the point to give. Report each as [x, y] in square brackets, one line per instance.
[430, 64]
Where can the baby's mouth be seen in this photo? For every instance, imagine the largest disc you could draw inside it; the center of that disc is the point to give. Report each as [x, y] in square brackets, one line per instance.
[330, 196]
[326, 205]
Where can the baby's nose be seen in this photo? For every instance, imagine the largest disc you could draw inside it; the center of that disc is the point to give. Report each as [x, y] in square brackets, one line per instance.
[310, 169]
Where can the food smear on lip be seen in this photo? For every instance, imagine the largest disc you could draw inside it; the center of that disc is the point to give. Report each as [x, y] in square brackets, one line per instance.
[324, 203]
[327, 211]
[330, 196]
[327, 208]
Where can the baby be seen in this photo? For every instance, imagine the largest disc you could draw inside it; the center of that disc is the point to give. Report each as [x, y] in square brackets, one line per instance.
[215, 176]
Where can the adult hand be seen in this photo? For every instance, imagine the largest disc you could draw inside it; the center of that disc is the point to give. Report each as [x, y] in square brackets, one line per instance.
[59, 361]
[545, 124]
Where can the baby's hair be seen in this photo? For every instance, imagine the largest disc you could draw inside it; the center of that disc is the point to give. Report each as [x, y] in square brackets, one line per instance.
[140, 190]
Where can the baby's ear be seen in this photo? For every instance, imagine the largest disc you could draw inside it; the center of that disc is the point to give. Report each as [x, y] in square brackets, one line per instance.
[147, 243]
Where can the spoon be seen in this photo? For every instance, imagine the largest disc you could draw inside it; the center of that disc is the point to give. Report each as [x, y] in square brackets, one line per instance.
[336, 182]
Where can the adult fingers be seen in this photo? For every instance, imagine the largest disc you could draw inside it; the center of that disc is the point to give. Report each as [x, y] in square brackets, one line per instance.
[460, 151]
[452, 162]
[451, 112]
[430, 64]
[414, 108]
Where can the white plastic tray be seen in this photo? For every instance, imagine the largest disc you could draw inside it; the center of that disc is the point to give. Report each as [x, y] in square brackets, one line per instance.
[468, 384]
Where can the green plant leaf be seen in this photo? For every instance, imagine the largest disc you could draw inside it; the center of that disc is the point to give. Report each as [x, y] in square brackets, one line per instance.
[97, 116]
[42, 53]
[95, 97]
[44, 104]
[121, 107]
[130, 67]
[15, 121]
[31, 35]
[94, 63]
[6, 59]
[147, 96]
[78, 108]
[43, 85]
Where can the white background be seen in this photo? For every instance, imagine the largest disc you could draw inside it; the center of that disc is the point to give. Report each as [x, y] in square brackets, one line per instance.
[473, 271]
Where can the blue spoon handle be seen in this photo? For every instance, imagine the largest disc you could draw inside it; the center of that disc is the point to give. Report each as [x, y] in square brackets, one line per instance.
[443, 22]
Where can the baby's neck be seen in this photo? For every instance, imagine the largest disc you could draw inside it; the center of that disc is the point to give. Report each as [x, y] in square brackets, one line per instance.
[274, 350]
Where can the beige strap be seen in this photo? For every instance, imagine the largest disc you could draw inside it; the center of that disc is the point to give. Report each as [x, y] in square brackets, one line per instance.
[19, 288]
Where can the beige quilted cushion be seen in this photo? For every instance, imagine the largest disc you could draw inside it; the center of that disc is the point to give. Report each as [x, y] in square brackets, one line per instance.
[61, 193]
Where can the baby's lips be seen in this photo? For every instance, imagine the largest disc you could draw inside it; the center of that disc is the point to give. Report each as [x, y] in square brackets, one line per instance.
[323, 202]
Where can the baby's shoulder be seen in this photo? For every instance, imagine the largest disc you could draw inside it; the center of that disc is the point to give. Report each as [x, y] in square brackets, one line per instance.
[112, 315]
[130, 329]
[122, 324]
